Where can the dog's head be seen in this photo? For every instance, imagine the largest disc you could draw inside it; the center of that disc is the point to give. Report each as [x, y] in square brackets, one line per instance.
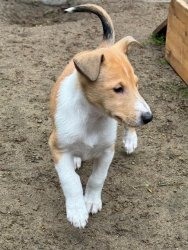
[109, 82]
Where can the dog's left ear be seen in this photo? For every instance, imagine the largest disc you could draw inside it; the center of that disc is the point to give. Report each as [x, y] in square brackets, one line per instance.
[126, 42]
[89, 65]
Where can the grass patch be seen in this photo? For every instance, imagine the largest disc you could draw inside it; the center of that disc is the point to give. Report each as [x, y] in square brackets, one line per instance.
[155, 40]
[163, 61]
[179, 90]
[184, 92]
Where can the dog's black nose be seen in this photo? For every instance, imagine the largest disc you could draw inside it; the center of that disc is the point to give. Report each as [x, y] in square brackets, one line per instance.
[146, 117]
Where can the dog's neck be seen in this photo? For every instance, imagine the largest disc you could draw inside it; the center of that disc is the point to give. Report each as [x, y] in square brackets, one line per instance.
[72, 99]
[79, 120]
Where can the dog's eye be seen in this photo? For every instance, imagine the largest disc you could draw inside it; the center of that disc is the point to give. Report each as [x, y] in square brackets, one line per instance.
[119, 89]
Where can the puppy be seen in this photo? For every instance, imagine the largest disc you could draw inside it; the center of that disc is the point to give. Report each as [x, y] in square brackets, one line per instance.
[96, 89]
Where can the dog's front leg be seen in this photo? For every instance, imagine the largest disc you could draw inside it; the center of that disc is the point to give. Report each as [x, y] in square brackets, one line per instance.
[96, 181]
[130, 140]
[70, 182]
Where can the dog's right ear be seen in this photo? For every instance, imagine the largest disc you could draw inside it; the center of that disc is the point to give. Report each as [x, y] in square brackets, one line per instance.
[89, 65]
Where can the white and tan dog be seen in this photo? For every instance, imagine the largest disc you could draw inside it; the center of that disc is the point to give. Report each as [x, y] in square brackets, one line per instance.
[96, 89]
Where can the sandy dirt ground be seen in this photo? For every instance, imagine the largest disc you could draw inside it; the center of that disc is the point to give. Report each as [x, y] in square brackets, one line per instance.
[145, 197]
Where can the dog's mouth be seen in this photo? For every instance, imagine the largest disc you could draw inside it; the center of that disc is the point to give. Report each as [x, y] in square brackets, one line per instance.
[117, 118]
[126, 123]
[130, 123]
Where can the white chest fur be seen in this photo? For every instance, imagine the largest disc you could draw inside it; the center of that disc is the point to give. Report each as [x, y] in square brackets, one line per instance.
[81, 128]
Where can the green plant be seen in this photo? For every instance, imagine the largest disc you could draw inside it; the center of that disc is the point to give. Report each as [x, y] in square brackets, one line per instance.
[157, 40]
[163, 61]
[184, 92]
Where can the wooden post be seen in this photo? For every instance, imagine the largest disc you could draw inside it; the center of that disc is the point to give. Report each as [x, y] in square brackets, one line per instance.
[177, 38]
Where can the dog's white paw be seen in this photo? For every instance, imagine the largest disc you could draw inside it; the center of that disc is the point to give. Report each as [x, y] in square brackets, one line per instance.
[77, 214]
[77, 162]
[130, 142]
[93, 204]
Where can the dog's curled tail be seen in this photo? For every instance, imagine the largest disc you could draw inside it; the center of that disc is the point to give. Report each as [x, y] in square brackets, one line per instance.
[108, 28]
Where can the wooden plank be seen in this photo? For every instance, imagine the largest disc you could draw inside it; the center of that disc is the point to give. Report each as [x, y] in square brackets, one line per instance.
[177, 38]
[180, 10]
[175, 24]
[180, 69]
[179, 53]
[161, 29]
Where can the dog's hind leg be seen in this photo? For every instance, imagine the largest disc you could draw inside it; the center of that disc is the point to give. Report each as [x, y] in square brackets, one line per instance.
[96, 181]
[130, 140]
